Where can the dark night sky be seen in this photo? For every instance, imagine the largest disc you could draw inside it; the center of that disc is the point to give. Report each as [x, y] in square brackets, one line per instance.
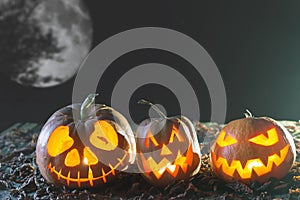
[255, 46]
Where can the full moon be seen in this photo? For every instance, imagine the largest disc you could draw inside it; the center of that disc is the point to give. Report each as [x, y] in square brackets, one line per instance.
[71, 26]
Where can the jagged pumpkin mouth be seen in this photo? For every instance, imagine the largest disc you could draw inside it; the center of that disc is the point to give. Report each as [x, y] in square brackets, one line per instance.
[182, 162]
[251, 165]
[90, 177]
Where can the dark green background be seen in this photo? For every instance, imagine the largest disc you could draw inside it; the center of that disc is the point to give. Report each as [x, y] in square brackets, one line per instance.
[255, 45]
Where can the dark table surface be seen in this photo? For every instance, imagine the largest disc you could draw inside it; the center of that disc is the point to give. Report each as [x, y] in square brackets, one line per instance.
[21, 179]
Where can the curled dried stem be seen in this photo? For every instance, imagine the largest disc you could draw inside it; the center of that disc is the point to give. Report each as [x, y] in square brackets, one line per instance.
[248, 114]
[146, 102]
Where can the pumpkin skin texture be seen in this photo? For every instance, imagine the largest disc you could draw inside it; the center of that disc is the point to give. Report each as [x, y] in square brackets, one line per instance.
[252, 149]
[84, 152]
[167, 150]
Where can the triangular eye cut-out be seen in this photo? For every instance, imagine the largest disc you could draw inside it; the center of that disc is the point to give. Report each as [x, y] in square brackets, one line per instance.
[176, 133]
[223, 141]
[59, 141]
[149, 136]
[261, 139]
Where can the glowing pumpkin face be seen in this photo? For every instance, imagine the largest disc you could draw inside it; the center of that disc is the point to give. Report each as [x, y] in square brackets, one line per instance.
[84, 153]
[167, 150]
[252, 149]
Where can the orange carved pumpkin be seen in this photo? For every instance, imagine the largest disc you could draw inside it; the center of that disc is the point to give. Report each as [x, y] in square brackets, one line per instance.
[87, 151]
[167, 149]
[252, 149]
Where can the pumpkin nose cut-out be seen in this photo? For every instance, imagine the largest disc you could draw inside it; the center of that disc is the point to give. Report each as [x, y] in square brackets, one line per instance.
[72, 159]
[89, 157]
[165, 151]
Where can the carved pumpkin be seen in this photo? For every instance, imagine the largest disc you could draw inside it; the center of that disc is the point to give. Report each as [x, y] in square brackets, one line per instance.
[84, 151]
[252, 149]
[167, 149]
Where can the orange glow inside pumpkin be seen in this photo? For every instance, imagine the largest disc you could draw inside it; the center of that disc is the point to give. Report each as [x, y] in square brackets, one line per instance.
[72, 159]
[104, 136]
[176, 133]
[59, 141]
[91, 178]
[252, 165]
[223, 141]
[89, 157]
[165, 150]
[149, 136]
[172, 167]
[261, 139]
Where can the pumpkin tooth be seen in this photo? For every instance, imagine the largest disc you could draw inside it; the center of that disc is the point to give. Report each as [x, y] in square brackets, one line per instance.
[278, 159]
[162, 170]
[58, 175]
[112, 169]
[172, 168]
[278, 152]
[189, 155]
[68, 178]
[90, 176]
[264, 160]
[184, 167]
[251, 165]
[78, 178]
[52, 169]
[103, 175]
[120, 161]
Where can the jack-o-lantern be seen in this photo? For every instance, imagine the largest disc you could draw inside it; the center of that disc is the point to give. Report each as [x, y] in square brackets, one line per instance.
[83, 145]
[167, 149]
[252, 149]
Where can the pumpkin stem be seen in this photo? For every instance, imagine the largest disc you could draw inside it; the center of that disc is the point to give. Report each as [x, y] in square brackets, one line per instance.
[248, 114]
[84, 109]
[145, 102]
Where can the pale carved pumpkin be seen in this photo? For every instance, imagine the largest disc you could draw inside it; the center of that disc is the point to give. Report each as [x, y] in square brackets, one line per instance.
[252, 149]
[84, 145]
[167, 149]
